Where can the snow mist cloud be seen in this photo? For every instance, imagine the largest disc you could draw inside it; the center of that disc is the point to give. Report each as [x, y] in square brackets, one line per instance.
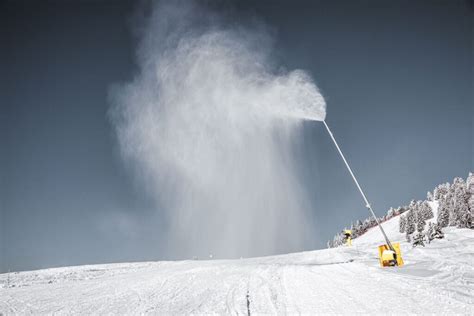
[208, 125]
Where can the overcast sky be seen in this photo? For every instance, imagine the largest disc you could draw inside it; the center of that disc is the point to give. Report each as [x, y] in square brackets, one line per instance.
[397, 76]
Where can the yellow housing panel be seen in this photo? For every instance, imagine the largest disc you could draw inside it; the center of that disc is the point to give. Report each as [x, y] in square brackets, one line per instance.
[349, 241]
[386, 257]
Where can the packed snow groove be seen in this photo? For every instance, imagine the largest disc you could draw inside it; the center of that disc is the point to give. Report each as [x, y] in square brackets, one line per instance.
[248, 303]
[208, 124]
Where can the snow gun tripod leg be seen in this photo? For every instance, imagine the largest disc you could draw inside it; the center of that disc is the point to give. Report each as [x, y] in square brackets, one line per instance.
[389, 254]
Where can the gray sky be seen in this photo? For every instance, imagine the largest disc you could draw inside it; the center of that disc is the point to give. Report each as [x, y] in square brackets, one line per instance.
[397, 76]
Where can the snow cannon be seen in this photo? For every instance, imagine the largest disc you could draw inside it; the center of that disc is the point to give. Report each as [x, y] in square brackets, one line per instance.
[348, 237]
[389, 254]
[389, 257]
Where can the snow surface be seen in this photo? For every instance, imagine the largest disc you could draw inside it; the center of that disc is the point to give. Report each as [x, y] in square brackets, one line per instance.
[436, 279]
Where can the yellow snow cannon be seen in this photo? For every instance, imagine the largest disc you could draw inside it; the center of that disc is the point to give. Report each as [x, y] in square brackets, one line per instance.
[348, 237]
[389, 254]
[390, 257]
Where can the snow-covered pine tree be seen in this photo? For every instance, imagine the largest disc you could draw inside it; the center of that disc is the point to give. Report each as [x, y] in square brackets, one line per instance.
[338, 240]
[440, 191]
[462, 216]
[443, 214]
[390, 213]
[419, 217]
[426, 211]
[418, 239]
[359, 229]
[429, 196]
[408, 237]
[402, 209]
[366, 225]
[410, 224]
[419, 205]
[372, 222]
[402, 224]
[470, 191]
[354, 230]
[396, 212]
[450, 196]
[438, 233]
[430, 232]
[434, 232]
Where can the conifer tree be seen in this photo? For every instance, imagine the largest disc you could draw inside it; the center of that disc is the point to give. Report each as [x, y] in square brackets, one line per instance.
[359, 229]
[402, 224]
[418, 239]
[470, 192]
[437, 232]
[419, 217]
[366, 225]
[402, 209]
[354, 230]
[434, 232]
[426, 211]
[372, 222]
[410, 222]
[397, 212]
[443, 214]
[429, 196]
[390, 213]
[430, 232]
[440, 191]
[450, 203]
[461, 215]
[338, 240]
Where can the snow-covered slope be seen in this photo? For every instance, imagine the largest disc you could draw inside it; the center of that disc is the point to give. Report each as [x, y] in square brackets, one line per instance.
[436, 279]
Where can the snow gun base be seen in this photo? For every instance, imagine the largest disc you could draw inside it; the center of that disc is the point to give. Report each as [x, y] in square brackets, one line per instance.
[390, 258]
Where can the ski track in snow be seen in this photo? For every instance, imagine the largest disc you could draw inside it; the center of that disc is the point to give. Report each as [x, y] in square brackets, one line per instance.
[436, 279]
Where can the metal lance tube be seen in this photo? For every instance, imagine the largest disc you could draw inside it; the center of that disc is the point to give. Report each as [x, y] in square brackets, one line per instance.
[367, 204]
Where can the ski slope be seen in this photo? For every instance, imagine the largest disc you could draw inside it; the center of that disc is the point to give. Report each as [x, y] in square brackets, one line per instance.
[436, 279]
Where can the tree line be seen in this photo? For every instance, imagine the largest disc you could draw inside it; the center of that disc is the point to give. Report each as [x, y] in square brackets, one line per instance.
[455, 208]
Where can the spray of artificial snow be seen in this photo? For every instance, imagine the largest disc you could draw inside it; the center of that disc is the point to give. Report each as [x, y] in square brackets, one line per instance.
[208, 124]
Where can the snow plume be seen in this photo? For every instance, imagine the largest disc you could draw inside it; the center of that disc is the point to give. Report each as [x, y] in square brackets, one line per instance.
[208, 124]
